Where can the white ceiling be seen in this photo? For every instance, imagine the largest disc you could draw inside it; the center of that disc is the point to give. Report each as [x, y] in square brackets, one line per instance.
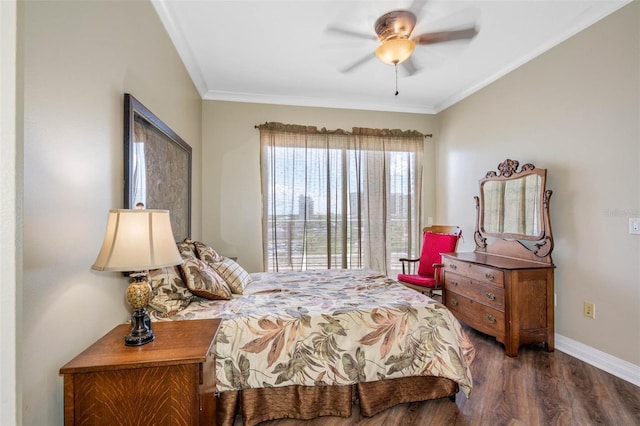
[280, 52]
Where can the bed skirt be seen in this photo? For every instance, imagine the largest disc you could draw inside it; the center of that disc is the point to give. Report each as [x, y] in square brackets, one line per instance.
[308, 402]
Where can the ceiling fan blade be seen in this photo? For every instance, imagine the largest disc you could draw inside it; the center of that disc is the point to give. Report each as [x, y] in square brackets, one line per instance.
[410, 67]
[358, 63]
[350, 33]
[444, 36]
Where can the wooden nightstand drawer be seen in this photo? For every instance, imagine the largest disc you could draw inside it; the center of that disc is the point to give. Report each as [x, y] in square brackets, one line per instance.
[106, 397]
[477, 315]
[483, 293]
[476, 272]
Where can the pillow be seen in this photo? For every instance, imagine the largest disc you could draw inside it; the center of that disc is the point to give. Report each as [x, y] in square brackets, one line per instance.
[234, 275]
[170, 295]
[206, 253]
[203, 281]
[187, 249]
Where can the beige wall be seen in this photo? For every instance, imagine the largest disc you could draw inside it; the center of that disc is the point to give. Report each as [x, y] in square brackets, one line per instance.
[574, 110]
[79, 60]
[232, 204]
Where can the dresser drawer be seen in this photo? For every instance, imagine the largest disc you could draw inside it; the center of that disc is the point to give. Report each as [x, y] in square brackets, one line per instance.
[476, 272]
[479, 316]
[486, 294]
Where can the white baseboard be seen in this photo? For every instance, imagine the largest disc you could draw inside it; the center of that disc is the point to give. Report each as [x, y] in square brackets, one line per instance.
[616, 366]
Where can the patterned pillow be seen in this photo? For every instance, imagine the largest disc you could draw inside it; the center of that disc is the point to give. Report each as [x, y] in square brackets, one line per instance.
[234, 275]
[170, 295]
[206, 253]
[204, 281]
[187, 249]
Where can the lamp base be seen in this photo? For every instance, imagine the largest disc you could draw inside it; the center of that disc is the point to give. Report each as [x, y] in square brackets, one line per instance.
[141, 332]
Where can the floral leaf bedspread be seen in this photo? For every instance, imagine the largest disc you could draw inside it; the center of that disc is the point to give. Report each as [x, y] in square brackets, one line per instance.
[332, 327]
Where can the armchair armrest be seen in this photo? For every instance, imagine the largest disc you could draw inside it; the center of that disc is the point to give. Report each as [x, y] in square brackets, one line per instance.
[436, 273]
[408, 263]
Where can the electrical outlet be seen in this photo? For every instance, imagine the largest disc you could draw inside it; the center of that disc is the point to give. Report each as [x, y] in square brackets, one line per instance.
[634, 225]
[589, 310]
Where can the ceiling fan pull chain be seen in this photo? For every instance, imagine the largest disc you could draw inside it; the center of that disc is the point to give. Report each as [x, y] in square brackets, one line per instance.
[396, 65]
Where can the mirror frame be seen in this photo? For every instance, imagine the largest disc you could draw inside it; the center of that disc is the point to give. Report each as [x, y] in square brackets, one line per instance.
[531, 247]
[172, 184]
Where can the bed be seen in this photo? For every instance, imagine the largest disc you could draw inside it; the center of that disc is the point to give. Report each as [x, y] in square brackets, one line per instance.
[309, 344]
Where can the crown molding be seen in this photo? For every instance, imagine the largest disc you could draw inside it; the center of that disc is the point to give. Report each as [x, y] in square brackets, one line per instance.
[607, 9]
[181, 45]
[314, 102]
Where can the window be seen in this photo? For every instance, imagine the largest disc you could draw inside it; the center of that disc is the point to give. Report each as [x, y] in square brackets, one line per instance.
[339, 199]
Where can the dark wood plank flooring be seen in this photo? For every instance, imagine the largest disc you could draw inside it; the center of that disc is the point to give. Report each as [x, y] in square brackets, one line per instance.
[536, 388]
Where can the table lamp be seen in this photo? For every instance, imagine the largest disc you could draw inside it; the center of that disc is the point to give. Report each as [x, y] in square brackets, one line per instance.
[135, 242]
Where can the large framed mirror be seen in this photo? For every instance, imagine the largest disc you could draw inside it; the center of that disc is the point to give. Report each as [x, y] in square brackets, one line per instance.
[514, 206]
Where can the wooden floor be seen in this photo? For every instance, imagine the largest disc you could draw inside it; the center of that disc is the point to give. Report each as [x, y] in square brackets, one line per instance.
[536, 388]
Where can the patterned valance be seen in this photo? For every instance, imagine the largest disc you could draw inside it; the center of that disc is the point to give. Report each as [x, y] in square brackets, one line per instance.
[295, 128]
[362, 131]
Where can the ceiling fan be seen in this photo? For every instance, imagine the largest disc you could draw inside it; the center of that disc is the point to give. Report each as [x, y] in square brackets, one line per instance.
[396, 42]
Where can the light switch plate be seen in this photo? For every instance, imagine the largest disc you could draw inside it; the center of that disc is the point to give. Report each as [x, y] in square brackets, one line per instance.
[634, 225]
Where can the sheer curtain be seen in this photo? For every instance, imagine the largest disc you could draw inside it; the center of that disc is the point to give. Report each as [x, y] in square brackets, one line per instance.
[338, 199]
[389, 168]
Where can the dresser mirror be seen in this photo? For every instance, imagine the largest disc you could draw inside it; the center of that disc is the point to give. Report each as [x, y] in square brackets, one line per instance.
[512, 213]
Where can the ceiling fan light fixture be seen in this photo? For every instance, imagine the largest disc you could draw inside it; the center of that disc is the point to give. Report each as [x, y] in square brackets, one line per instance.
[395, 50]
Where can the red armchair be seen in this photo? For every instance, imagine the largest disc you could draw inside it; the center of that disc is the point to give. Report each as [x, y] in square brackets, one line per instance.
[426, 277]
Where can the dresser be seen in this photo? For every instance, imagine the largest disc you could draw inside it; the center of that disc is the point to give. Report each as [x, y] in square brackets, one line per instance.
[510, 299]
[170, 381]
[505, 287]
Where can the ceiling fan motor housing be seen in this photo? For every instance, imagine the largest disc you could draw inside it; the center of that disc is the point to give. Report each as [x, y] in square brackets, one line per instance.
[395, 24]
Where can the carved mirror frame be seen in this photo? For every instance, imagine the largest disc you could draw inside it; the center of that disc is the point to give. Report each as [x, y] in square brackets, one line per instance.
[536, 247]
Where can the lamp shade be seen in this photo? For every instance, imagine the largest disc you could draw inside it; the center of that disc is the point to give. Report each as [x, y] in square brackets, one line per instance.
[395, 50]
[137, 240]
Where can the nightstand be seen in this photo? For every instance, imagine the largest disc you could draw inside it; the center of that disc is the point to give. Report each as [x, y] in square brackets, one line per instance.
[168, 381]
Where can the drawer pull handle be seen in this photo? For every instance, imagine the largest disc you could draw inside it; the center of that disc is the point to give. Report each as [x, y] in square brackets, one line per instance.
[454, 302]
[491, 319]
[454, 283]
[489, 276]
[490, 296]
[453, 266]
